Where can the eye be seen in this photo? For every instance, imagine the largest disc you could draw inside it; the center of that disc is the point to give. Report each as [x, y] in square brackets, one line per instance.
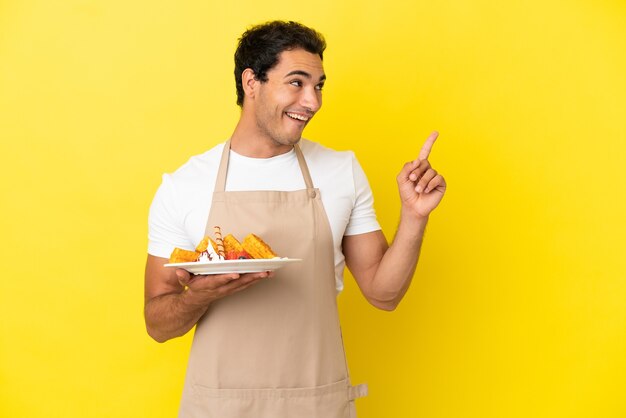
[296, 83]
[320, 86]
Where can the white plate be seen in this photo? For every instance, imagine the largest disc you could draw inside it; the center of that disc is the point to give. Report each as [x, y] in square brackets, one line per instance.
[234, 266]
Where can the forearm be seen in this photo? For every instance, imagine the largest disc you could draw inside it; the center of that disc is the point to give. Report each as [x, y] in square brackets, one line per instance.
[384, 272]
[397, 266]
[172, 315]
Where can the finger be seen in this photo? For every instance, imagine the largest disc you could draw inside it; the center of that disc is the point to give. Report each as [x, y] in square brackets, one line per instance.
[183, 277]
[437, 182]
[260, 274]
[405, 173]
[245, 281]
[239, 288]
[425, 180]
[428, 146]
[232, 280]
[213, 281]
[419, 171]
[252, 278]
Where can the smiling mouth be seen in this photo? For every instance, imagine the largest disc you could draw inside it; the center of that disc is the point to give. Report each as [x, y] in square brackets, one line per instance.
[297, 116]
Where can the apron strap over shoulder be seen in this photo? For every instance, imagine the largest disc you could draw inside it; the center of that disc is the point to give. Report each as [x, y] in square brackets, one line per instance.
[303, 167]
[220, 183]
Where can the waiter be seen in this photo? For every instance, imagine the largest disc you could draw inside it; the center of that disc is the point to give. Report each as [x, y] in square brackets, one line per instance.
[269, 344]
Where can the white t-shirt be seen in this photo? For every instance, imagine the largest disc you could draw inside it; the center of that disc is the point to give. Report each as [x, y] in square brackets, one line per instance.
[180, 208]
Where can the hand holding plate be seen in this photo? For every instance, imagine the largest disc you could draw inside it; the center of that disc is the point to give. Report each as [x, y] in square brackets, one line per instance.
[205, 288]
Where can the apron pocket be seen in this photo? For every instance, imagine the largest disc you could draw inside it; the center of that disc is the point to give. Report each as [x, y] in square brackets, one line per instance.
[335, 400]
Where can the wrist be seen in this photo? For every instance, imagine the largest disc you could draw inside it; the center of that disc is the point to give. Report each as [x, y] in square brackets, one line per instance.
[409, 218]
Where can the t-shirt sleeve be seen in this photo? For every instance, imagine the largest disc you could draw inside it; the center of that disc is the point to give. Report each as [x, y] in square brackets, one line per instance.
[165, 228]
[363, 217]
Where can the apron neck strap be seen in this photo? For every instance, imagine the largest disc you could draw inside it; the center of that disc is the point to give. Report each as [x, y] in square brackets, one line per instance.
[303, 167]
[220, 184]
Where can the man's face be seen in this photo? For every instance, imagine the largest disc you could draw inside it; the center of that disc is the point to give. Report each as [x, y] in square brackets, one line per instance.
[287, 101]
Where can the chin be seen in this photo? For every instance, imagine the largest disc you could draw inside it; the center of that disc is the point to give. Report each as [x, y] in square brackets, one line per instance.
[288, 141]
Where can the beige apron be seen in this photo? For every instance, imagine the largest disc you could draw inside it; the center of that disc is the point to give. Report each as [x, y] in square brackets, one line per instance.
[273, 350]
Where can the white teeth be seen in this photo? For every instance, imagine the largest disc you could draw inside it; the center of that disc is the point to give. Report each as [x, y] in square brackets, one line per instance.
[296, 116]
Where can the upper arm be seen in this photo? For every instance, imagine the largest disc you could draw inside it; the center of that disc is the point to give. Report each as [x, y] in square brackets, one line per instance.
[160, 280]
[166, 221]
[363, 253]
[165, 232]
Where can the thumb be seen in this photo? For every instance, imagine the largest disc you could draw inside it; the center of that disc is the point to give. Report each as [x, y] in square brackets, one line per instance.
[183, 276]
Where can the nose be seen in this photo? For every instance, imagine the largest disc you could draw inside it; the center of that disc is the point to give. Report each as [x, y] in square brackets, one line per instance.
[311, 99]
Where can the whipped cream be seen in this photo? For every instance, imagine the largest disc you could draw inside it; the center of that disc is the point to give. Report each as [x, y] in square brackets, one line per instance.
[210, 255]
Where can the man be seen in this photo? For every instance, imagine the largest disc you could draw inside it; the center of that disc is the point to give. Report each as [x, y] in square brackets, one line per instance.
[268, 344]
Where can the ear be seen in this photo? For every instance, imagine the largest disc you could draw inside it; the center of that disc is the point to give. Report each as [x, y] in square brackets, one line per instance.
[249, 83]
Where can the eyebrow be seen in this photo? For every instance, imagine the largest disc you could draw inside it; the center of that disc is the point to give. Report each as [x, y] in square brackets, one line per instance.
[304, 74]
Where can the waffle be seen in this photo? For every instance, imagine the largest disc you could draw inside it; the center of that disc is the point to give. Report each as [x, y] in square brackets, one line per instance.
[234, 249]
[257, 248]
[183, 256]
[251, 247]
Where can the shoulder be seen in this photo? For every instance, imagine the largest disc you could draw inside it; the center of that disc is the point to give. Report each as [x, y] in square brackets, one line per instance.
[337, 173]
[198, 167]
[198, 173]
[318, 152]
[325, 161]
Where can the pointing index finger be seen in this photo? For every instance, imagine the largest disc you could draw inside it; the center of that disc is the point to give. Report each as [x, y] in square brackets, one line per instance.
[428, 145]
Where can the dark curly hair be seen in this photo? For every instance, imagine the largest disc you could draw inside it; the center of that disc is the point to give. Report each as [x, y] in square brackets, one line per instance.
[260, 46]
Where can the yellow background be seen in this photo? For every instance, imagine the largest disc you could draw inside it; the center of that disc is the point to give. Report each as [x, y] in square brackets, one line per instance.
[518, 307]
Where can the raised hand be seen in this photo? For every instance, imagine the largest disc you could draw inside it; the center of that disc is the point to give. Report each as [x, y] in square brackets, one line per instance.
[421, 187]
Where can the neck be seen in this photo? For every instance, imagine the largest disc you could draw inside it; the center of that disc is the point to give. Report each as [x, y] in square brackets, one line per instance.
[248, 141]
